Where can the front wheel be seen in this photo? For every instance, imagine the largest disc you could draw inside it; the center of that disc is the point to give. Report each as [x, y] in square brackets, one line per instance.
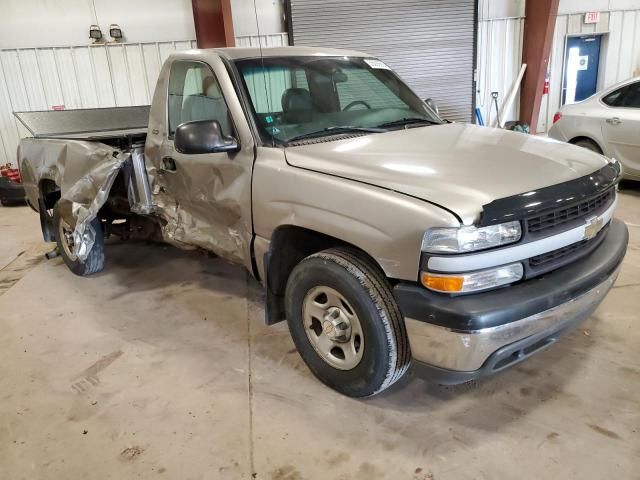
[64, 238]
[346, 323]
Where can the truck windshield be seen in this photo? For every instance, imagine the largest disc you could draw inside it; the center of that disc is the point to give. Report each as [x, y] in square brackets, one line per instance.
[299, 97]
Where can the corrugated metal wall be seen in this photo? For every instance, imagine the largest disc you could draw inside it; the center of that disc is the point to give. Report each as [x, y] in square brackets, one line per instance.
[430, 43]
[620, 58]
[84, 77]
[76, 77]
[270, 40]
[499, 63]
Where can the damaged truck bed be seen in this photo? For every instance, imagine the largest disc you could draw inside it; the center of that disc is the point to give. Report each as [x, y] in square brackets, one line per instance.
[86, 162]
[74, 158]
[384, 235]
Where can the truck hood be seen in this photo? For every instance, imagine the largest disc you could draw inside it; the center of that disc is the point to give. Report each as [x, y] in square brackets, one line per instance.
[458, 166]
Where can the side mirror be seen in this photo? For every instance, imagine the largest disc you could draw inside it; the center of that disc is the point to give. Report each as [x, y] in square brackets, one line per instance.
[203, 136]
[432, 105]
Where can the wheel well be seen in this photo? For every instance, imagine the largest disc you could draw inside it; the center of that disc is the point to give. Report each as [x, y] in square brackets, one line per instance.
[587, 139]
[289, 246]
[49, 193]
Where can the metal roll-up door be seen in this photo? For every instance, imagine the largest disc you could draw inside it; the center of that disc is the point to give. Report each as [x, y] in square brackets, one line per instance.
[429, 43]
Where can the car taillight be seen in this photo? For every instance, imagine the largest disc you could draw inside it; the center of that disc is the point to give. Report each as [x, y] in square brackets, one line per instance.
[557, 117]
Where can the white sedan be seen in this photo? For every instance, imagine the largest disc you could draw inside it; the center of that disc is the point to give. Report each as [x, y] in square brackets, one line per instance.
[607, 123]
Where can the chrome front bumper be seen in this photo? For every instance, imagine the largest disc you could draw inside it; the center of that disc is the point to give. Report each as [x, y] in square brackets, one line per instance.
[467, 351]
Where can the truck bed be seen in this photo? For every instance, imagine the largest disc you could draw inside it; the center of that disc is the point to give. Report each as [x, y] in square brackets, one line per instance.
[94, 124]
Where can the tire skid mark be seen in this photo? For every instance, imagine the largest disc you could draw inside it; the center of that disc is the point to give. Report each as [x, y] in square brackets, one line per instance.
[89, 377]
[26, 260]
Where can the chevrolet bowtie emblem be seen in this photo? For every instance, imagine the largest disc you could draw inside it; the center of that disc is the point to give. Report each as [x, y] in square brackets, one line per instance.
[593, 227]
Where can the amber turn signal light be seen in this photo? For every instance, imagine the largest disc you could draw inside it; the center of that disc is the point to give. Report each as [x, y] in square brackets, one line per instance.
[441, 283]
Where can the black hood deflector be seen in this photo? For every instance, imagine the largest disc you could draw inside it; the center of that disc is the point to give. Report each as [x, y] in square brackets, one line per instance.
[526, 204]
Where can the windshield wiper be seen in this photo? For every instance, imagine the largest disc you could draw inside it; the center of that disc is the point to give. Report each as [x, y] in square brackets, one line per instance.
[408, 121]
[334, 131]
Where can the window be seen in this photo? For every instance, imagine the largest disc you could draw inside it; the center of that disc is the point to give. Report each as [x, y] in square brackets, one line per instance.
[293, 97]
[361, 86]
[267, 86]
[625, 97]
[195, 94]
[632, 97]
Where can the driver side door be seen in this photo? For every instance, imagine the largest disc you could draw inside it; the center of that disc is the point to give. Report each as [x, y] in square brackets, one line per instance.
[205, 198]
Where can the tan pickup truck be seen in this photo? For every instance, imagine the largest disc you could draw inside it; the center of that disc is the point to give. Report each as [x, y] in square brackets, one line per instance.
[384, 235]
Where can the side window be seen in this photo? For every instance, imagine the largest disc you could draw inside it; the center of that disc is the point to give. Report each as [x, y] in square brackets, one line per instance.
[632, 97]
[616, 98]
[195, 94]
[625, 97]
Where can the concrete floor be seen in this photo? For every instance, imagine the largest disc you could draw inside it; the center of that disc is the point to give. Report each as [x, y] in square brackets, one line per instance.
[162, 367]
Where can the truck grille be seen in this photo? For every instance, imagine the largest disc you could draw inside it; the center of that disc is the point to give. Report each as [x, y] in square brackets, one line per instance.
[555, 218]
[570, 253]
[550, 257]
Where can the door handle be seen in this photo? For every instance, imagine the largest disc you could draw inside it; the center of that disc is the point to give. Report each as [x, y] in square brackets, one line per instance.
[614, 121]
[168, 165]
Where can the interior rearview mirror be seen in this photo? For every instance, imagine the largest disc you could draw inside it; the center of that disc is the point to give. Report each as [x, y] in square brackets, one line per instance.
[432, 105]
[203, 136]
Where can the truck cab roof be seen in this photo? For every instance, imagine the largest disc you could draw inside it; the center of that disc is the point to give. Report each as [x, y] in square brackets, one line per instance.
[239, 53]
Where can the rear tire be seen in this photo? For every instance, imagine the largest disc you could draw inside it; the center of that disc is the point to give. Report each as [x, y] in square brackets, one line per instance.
[95, 260]
[344, 284]
[589, 145]
[46, 222]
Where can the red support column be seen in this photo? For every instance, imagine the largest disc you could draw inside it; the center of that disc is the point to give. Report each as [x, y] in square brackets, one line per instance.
[539, 26]
[214, 26]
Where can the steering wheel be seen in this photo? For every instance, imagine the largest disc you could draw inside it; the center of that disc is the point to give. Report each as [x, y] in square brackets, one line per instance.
[356, 102]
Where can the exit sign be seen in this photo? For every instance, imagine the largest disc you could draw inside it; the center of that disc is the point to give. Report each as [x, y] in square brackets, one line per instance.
[592, 17]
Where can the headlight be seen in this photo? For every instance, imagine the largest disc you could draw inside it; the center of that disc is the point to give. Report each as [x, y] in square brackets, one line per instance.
[472, 281]
[470, 239]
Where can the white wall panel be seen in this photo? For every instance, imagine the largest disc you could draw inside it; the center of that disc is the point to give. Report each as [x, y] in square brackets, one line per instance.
[270, 17]
[147, 20]
[499, 63]
[43, 23]
[76, 77]
[497, 9]
[273, 40]
[579, 6]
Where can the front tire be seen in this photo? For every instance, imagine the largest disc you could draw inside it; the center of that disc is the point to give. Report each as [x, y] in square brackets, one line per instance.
[346, 323]
[63, 235]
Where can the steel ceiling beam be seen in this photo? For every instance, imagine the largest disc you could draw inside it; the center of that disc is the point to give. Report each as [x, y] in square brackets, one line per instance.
[213, 23]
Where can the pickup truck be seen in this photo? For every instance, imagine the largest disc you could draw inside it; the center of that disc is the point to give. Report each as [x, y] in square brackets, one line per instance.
[383, 234]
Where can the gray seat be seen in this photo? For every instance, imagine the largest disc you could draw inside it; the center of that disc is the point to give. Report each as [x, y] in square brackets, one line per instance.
[207, 107]
[297, 106]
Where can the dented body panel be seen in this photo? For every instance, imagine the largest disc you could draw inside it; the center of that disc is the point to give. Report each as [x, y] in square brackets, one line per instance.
[206, 201]
[84, 171]
[78, 167]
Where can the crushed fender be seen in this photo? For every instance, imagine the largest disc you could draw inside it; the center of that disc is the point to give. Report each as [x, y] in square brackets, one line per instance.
[84, 172]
